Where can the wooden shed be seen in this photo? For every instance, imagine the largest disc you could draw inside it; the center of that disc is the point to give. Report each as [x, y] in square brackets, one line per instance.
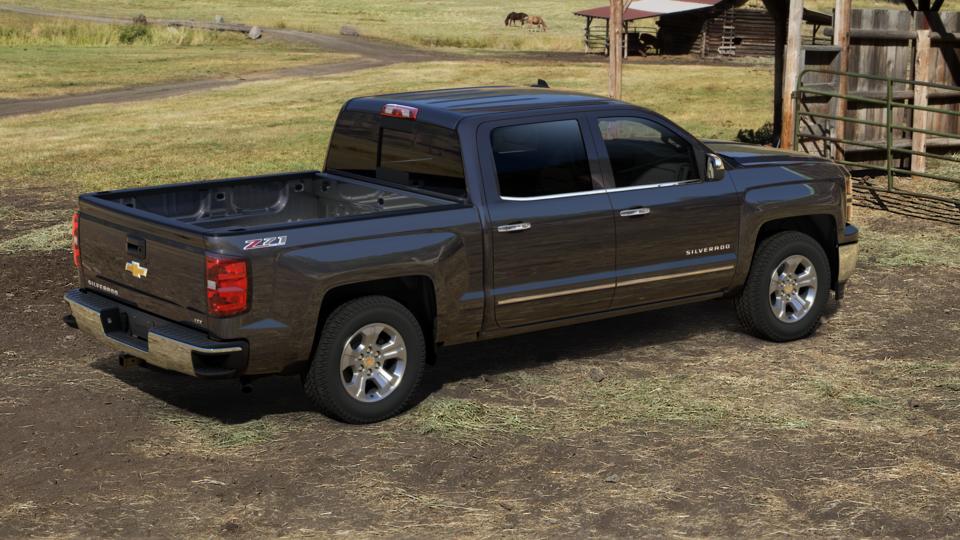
[706, 28]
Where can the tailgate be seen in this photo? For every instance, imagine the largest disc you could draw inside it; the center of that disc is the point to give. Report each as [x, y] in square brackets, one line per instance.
[154, 268]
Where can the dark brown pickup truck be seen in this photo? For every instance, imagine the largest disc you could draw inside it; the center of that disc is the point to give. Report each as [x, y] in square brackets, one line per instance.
[452, 216]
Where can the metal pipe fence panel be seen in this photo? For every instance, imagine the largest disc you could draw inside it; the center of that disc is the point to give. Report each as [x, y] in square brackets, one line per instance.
[894, 149]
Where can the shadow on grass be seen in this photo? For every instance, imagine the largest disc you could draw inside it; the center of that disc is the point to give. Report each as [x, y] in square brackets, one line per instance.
[586, 341]
[908, 205]
[223, 400]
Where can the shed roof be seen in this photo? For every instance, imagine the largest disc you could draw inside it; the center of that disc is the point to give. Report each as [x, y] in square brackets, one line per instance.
[643, 9]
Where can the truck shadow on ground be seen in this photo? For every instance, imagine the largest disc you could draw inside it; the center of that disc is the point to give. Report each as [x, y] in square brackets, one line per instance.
[223, 400]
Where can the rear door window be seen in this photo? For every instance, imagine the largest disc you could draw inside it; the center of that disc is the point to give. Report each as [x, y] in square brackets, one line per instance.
[541, 159]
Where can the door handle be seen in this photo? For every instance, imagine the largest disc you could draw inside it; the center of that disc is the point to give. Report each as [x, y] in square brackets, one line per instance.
[632, 212]
[514, 227]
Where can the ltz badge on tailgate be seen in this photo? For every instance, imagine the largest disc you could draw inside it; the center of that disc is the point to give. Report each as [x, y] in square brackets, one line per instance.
[134, 268]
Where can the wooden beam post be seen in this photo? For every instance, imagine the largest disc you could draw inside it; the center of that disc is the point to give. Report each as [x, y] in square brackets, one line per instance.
[780, 39]
[841, 38]
[921, 73]
[615, 37]
[791, 70]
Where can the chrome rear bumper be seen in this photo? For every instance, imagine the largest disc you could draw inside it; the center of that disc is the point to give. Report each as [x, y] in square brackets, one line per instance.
[167, 345]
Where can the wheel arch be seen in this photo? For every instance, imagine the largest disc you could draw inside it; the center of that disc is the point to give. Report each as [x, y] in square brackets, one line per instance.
[415, 292]
[820, 227]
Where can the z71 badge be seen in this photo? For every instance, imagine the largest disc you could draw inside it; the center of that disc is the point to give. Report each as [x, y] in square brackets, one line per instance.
[269, 242]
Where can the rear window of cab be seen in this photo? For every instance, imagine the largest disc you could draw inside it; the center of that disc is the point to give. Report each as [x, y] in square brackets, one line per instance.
[398, 151]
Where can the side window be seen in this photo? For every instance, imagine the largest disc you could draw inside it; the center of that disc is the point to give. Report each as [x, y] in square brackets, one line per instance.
[546, 158]
[643, 153]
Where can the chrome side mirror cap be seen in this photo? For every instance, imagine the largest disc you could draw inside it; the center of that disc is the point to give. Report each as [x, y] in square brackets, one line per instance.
[715, 167]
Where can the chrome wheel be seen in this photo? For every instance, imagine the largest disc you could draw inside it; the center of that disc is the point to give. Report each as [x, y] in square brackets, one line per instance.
[372, 362]
[793, 288]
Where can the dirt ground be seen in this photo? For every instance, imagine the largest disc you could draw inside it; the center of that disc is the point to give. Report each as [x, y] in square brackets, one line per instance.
[664, 423]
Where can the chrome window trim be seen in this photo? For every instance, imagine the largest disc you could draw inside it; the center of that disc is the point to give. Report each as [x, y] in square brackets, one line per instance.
[652, 186]
[597, 191]
[554, 196]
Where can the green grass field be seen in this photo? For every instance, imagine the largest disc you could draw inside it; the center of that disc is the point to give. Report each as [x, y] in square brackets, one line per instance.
[444, 23]
[41, 57]
[284, 124]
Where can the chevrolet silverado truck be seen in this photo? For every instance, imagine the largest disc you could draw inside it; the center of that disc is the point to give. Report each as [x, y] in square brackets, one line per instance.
[451, 216]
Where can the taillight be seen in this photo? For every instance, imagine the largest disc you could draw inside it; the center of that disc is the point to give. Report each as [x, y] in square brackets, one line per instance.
[393, 110]
[75, 233]
[227, 286]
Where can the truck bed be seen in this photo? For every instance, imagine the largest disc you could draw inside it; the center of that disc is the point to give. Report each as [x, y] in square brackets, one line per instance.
[243, 204]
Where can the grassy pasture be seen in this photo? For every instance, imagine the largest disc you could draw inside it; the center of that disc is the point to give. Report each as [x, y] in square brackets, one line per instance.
[435, 23]
[42, 57]
[284, 124]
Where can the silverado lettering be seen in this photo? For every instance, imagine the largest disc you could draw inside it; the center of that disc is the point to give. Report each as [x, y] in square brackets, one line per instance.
[708, 249]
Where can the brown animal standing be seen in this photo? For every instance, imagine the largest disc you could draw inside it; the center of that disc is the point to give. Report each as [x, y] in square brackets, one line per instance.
[514, 17]
[537, 21]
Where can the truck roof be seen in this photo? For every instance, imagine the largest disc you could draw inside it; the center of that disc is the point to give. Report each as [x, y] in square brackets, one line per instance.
[448, 106]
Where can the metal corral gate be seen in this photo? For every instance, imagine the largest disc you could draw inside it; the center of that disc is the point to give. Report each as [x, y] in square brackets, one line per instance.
[894, 149]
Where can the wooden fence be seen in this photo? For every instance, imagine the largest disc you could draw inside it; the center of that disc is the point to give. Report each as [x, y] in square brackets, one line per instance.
[887, 43]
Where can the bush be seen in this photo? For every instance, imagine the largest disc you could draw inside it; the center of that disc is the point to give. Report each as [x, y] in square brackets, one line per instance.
[764, 135]
[132, 33]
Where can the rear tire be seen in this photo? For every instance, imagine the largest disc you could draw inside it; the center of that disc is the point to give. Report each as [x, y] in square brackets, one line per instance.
[787, 288]
[369, 361]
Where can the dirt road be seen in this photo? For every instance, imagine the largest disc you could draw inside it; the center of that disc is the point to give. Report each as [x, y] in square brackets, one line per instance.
[370, 54]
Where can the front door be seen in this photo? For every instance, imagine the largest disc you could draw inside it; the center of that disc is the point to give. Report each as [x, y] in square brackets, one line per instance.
[551, 222]
[676, 232]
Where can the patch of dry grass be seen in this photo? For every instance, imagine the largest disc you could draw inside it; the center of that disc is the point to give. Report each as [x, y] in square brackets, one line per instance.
[895, 241]
[41, 239]
[42, 56]
[202, 435]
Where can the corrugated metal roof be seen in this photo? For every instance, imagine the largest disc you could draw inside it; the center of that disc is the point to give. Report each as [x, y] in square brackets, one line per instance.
[643, 9]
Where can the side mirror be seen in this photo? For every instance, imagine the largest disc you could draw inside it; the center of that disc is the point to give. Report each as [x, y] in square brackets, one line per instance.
[715, 168]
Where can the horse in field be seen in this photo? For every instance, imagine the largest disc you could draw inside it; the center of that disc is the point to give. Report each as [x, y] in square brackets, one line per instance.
[514, 17]
[537, 21]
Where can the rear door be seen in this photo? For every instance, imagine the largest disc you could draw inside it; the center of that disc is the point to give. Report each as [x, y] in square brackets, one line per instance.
[676, 232]
[551, 221]
[125, 257]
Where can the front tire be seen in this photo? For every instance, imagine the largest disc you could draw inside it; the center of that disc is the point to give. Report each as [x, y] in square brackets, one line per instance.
[369, 361]
[787, 288]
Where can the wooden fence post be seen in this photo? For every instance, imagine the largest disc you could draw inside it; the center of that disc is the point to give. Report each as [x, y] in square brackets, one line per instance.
[921, 73]
[615, 37]
[791, 71]
[841, 38]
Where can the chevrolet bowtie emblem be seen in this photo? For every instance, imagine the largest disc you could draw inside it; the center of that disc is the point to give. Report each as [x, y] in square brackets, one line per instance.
[134, 268]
